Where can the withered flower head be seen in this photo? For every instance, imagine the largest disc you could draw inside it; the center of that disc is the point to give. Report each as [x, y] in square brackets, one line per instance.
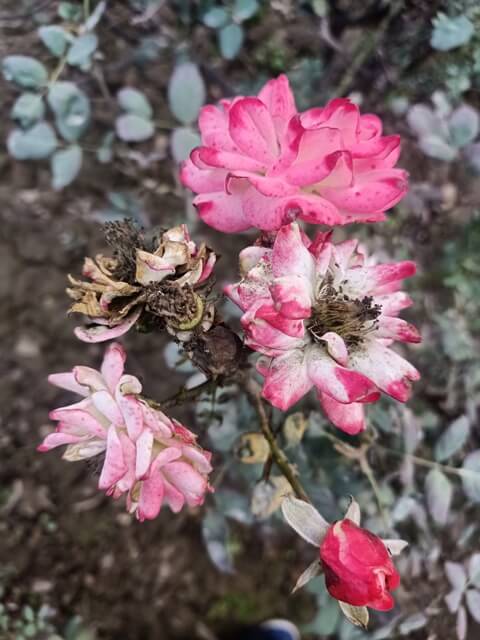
[163, 281]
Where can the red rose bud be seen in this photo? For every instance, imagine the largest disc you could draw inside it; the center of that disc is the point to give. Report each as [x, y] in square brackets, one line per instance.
[358, 567]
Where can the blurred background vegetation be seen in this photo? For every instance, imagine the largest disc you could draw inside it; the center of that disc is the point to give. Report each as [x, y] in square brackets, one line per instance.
[99, 103]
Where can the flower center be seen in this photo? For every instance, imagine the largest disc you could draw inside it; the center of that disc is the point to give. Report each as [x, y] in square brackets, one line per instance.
[351, 318]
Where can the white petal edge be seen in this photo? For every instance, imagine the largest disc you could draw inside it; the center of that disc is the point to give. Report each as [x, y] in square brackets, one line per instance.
[305, 520]
[312, 571]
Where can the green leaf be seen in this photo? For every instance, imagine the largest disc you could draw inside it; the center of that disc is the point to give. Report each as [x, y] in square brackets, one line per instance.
[471, 480]
[464, 125]
[133, 128]
[413, 623]
[70, 11]
[244, 9]
[66, 165]
[182, 141]
[215, 18]
[452, 439]
[186, 92]
[450, 33]
[134, 101]
[71, 108]
[36, 143]
[230, 40]
[95, 17]
[55, 38]
[320, 8]
[25, 71]
[439, 492]
[81, 52]
[28, 109]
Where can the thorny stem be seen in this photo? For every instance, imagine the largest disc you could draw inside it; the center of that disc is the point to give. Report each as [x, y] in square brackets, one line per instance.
[431, 464]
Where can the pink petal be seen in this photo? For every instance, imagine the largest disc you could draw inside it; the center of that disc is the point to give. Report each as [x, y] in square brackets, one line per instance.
[57, 439]
[251, 128]
[187, 480]
[90, 378]
[313, 208]
[336, 347]
[114, 466]
[222, 211]
[104, 402]
[113, 365]
[286, 380]
[372, 192]
[144, 447]
[173, 497]
[347, 417]
[199, 459]
[80, 418]
[290, 255]
[213, 125]
[100, 333]
[292, 296]
[132, 412]
[397, 329]
[229, 160]
[202, 180]
[278, 98]
[67, 381]
[390, 372]
[151, 497]
[344, 385]
[394, 302]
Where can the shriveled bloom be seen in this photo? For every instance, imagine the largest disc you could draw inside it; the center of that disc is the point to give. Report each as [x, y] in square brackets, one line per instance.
[357, 564]
[148, 456]
[323, 316]
[263, 164]
[158, 280]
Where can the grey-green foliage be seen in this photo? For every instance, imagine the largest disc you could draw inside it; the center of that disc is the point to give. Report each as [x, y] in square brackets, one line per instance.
[55, 38]
[25, 71]
[136, 124]
[451, 32]
[443, 131]
[28, 109]
[36, 143]
[71, 107]
[66, 165]
[186, 92]
[81, 51]
[227, 21]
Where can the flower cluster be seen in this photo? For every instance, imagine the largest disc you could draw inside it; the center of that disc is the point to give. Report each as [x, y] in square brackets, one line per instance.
[146, 455]
[263, 164]
[324, 316]
[163, 284]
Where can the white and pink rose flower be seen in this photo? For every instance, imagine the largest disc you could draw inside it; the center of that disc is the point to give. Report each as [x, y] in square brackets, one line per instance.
[151, 458]
[323, 316]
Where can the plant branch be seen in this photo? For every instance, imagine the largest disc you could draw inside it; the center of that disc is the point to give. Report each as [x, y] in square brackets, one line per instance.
[183, 395]
[278, 455]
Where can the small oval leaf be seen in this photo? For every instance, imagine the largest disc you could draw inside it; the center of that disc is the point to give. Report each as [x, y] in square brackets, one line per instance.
[25, 71]
[135, 101]
[186, 92]
[439, 496]
[66, 165]
[471, 476]
[35, 143]
[230, 40]
[452, 439]
[133, 128]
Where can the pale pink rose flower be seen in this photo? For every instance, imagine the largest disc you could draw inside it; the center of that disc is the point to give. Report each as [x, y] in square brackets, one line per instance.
[323, 316]
[262, 164]
[154, 459]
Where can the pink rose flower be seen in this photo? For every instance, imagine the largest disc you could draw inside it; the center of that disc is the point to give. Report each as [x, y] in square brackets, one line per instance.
[262, 164]
[148, 456]
[324, 317]
[358, 567]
